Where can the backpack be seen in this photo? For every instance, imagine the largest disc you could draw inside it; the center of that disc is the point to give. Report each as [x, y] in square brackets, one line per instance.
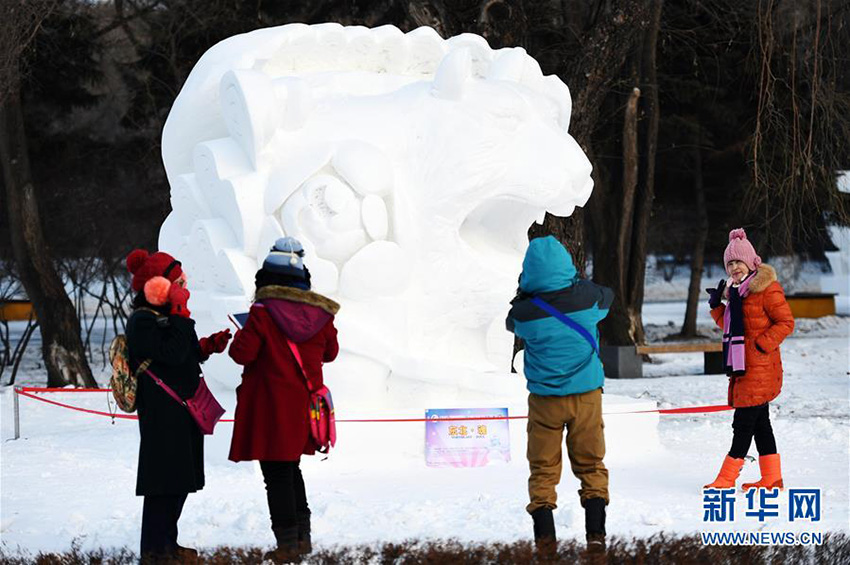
[322, 419]
[123, 381]
[321, 410]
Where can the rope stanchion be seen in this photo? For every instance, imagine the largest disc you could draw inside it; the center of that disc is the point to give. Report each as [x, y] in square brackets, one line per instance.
[28, 392]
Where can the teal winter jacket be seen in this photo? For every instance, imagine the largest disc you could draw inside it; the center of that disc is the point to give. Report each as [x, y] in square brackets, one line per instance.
[558, 360]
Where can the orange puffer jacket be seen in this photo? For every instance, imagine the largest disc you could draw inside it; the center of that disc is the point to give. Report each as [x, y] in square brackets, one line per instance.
[767, 321]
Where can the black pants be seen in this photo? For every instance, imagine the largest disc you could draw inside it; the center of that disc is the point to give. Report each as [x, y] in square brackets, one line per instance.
[748, 423]
[285, 491]
[159, 523]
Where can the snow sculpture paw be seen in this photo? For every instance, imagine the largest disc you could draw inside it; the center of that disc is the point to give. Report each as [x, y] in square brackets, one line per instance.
[410, 167]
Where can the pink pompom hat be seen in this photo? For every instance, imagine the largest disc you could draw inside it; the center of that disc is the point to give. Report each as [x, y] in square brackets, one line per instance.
[741, 249]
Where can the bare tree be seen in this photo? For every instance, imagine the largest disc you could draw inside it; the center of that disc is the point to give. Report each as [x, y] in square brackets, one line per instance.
[62, 348]
[802, 123]
[621, 214]
[607, 32]
[689, 326]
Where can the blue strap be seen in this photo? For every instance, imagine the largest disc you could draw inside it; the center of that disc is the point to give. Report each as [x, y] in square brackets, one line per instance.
[543, 305]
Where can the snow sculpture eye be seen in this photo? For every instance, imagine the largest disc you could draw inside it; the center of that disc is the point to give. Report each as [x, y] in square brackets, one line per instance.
[410, 168]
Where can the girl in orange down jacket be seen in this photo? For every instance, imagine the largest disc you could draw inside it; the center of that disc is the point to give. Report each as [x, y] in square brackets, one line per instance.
[755, 319]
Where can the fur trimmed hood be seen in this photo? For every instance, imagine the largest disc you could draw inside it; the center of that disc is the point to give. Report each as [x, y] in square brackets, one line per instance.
[298, 295]
[764, 277]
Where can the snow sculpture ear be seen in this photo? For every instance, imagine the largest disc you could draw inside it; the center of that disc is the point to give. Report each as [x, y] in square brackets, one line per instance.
[508, 65]
[452, 75]
[560, 93]
[248, 106]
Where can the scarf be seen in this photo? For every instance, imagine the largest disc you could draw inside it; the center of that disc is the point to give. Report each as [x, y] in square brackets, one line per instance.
[734, 362]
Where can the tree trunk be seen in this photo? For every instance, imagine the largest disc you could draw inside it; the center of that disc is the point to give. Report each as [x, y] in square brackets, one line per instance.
[631, 161]
[618, 326]
[607, 44]
[689, 327]
[622, 213]
[62, 348]
[569, 231]
[643, 208]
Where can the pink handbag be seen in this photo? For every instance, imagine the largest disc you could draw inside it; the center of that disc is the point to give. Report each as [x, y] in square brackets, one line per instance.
[203, 407]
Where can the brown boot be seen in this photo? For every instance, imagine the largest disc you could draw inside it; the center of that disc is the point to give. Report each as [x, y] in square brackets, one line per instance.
[771, 474]
[728, 473]
[305, 543]
[186, 555]
[287, 546]
[594, 525]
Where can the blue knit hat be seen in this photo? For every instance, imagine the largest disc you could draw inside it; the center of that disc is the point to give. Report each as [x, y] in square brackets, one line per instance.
[286, 257]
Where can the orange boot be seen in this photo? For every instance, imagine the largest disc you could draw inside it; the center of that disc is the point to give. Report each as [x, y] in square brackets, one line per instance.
[771, 473]
[728, 473]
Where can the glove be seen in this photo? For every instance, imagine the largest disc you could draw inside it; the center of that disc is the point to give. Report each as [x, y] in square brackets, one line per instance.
[215, 343]
[716, 294]
[178, 297]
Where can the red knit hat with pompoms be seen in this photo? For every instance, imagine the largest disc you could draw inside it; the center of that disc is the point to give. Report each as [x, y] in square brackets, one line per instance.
[144, 266]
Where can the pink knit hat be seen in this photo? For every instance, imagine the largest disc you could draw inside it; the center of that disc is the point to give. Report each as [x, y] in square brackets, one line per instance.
[741, 249]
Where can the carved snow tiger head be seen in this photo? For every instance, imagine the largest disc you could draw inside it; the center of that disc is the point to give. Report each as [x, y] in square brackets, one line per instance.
[410, 167]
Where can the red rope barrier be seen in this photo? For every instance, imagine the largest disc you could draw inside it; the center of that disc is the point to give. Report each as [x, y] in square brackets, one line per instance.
[25, 391]
[39, 389]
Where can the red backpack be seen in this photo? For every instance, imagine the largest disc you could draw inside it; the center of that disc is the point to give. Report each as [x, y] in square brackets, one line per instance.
[322, 419]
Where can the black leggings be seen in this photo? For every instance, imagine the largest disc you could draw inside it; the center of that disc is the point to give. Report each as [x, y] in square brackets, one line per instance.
[285, 491]
[748, 423]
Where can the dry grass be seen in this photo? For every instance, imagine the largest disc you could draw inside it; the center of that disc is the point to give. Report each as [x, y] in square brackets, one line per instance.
[657, 549]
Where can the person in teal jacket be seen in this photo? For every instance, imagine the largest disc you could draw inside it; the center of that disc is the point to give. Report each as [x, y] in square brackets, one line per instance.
[564, 379]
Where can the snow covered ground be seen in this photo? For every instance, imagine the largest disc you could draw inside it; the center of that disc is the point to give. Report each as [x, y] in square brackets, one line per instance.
[71, 476]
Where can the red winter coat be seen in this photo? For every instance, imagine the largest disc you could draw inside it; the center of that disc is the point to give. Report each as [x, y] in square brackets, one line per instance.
[767, 321]
[271, 422]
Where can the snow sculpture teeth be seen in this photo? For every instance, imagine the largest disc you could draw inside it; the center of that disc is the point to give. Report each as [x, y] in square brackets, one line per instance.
[409, 167]
[375, 217]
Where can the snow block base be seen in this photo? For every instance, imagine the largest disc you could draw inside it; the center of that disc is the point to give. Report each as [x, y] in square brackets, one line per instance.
[621, 362]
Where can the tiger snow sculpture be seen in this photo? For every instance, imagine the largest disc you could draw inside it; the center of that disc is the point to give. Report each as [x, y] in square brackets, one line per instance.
[410, 167]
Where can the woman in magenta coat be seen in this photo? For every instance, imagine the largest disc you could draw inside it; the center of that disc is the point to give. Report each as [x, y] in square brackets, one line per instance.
[271, 423]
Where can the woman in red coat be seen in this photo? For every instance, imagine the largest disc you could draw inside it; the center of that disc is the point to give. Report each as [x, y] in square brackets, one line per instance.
[755, 320]
[271, 422]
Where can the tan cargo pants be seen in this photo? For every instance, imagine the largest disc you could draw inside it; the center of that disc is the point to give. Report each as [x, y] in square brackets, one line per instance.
[581, 414]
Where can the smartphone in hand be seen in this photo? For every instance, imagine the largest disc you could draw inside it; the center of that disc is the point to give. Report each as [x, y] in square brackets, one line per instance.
[238, 320]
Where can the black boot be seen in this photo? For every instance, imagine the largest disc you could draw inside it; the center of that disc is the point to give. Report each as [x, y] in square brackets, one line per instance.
[305, 543]
[544, 531]
[287, 546]
[594, 524]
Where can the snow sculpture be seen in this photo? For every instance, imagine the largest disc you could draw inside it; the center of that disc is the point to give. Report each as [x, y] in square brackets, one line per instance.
[410, 167]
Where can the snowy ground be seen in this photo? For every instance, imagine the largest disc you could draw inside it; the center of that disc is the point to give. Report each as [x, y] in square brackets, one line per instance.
[71, 475]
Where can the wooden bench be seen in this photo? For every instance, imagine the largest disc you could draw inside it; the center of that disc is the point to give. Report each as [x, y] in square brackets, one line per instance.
[704, 347]
[15, 310]
[624, 362]
[811, 304]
